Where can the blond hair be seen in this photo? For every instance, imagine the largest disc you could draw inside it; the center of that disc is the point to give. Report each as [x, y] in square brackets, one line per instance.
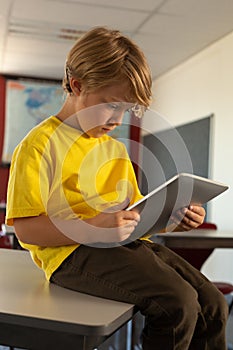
[103, 57]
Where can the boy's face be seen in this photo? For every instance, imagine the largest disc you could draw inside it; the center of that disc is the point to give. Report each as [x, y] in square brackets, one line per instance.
[102, 111]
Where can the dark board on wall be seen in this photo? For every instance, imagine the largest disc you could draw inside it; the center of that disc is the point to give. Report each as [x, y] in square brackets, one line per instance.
[182, 149]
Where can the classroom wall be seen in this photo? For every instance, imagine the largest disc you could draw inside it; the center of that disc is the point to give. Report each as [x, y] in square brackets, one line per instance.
[197, 88]
[4, 171]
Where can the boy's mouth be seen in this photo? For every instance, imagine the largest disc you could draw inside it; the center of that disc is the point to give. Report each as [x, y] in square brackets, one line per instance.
[107, 129]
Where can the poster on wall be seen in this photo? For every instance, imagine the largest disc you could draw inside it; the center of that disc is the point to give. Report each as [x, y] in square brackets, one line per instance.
[28, 102]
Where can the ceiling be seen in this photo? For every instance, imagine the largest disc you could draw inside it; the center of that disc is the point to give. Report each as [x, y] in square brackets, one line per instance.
[35, 35]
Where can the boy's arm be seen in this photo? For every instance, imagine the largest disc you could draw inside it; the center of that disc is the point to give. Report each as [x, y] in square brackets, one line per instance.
[105, 227]
[40, 230]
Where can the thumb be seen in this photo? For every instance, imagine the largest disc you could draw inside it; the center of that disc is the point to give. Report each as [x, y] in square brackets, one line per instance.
[117, 207]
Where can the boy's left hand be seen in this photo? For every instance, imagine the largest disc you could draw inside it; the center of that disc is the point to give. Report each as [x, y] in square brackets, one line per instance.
[189, 218]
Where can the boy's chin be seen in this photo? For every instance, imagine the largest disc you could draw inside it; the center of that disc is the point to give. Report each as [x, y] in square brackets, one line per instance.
[98, 132]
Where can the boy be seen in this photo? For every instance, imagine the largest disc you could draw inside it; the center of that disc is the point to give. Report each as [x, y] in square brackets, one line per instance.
[67, 173]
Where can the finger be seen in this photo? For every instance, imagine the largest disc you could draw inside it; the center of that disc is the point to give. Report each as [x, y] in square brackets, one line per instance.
[194, 216]
[191, 224]
[131, 215]
[180, 224]
[198, 209]
[125, 232]
[190, 214]
[131, 223]
[118, 207]
[178, 216]
[184, 227]
[184, 220]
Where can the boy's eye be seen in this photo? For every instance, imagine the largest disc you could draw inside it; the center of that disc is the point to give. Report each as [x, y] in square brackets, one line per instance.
[113, 106]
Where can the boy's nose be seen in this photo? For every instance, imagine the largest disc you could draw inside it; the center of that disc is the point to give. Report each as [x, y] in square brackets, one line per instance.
[115, 122]
[117, 118]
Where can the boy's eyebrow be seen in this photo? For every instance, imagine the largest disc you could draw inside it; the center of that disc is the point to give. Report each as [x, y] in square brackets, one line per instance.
[112, 99]
[115, 99]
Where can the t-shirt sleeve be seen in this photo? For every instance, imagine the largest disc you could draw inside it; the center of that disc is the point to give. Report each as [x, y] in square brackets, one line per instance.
[28, 185]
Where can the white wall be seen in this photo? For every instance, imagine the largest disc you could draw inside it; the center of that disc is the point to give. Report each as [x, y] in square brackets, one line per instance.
[197, 88]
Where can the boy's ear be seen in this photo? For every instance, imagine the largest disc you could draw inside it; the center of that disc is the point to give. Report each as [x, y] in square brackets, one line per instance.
[75, 86]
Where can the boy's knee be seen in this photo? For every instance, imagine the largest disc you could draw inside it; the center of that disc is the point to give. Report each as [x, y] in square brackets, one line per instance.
[180, 304]
[213, 302]
[186, 303]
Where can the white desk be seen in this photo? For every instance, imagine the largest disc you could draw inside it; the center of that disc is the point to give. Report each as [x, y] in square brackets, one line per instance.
[35, 314]
[196, 239]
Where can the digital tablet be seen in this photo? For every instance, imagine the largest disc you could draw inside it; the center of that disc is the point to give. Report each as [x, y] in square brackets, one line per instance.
[182, 190]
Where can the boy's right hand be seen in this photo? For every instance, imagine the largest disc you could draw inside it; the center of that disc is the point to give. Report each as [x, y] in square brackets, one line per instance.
[113, 225]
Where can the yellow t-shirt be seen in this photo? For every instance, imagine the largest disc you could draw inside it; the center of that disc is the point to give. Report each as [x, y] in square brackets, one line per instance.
[59, 172]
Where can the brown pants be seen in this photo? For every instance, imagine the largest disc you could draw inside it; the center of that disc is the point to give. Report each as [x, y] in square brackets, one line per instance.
[183, 309]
